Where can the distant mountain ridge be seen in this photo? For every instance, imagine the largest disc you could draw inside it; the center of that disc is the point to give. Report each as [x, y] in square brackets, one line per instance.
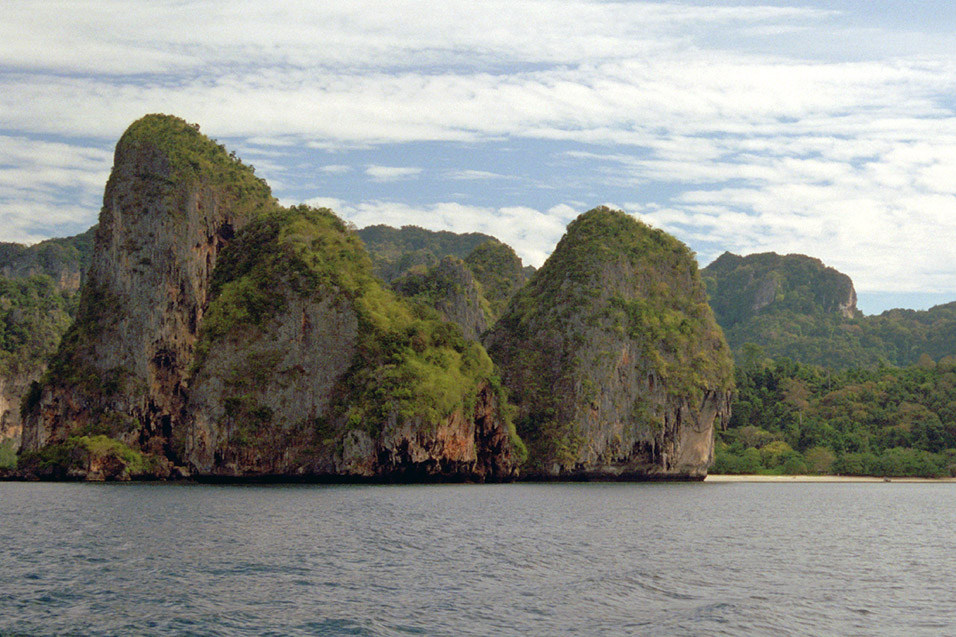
[795, 306]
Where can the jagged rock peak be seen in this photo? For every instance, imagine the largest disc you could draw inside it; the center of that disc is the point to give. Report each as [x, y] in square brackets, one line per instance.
[174, 199]
[613, 357]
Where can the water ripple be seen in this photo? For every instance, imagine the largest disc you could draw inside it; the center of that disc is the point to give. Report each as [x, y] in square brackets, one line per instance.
[570, 559]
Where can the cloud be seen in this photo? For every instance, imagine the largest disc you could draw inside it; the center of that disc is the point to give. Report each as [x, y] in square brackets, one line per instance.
[736, 127]
[49, 188]
[471, 175]
[391, 173]
[532, 233]
[335, 169]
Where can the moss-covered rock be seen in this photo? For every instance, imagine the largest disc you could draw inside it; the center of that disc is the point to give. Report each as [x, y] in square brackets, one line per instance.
[613, 357]
[499, 273]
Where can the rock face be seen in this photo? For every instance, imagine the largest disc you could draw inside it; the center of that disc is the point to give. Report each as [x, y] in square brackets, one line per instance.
[450, 288]
[613, 357]
[307, 367]
[220, 335]
[741, 287]
[796, 307]
[397, 251]
[173, 201]
[12, 389]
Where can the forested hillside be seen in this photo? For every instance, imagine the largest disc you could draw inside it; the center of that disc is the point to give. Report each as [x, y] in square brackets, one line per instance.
[794, 418]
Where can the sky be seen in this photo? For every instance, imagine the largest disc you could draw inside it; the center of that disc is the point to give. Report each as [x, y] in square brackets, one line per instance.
[820, 128]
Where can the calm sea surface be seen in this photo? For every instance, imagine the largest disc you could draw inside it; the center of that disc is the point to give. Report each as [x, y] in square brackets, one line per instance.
[528, 559]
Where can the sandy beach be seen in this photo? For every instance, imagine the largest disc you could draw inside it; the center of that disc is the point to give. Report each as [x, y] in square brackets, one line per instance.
[801, 478]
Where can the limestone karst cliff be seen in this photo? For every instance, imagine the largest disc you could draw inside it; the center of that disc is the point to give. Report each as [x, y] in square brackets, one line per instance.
[287, 359]
[308, 366]
[613, 357]
[450, 288]
[472, 292]
[745, 286]
[173, 200]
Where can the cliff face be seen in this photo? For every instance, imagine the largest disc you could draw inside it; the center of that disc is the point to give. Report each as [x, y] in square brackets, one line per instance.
[742, 287]
[613, 357]
[793, 306]
[64, 260]
[450, 288]
[173, 200]
[308, 367]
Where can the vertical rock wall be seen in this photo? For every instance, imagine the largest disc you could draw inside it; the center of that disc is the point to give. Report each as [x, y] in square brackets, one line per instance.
[121, 367]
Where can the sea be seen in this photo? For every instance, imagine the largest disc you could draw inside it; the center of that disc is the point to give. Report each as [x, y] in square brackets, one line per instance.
[510, 559]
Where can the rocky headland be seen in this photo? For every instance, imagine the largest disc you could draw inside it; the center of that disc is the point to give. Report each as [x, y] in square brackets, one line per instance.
[222, 336]
[613, 358]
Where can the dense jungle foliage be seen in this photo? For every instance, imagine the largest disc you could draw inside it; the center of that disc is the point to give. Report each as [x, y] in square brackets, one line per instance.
[38, 298]
[33, 316]
[793, 418]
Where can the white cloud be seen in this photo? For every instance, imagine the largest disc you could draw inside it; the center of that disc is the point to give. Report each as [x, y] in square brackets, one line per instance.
[736, 127]
[391, 173]
[335, 169]
[532, 233]
[471, 175]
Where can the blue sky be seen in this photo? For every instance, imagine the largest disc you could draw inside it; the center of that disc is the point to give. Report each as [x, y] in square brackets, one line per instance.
[827, 129]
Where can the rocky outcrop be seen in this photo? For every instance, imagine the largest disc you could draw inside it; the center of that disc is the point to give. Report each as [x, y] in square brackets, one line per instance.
[450, 288]
[65, 260]
[12, 391]
[499, 273]
[333, 376]
[742, 287]
[613, 357]
[173, 201]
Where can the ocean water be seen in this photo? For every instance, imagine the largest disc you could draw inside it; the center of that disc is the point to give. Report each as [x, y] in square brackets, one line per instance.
[528, 559]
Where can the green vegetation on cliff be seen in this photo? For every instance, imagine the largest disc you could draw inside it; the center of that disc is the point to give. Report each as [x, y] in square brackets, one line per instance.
[498, 270]
[793, 418]
[192, 158]
[611, 283]
[395, 251]
[795, 307]
[64, 260]
[409, 364]
[34, 314]
[84, 456]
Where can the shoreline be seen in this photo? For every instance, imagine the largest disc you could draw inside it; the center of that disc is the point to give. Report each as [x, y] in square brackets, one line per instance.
[715, 478]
